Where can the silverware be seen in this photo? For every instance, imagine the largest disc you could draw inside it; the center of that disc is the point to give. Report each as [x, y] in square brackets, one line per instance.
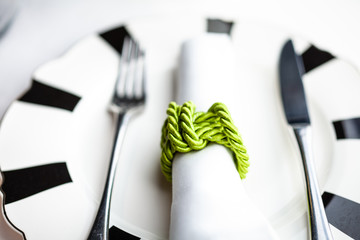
[294, 101]
[129, 98]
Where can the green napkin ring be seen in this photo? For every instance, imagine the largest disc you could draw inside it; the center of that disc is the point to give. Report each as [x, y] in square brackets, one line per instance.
[185, 130]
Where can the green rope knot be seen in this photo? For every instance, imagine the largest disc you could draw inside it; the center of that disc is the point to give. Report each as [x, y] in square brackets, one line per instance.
[185, 130]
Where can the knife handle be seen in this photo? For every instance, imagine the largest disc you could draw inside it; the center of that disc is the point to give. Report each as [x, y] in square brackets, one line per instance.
[318, 223]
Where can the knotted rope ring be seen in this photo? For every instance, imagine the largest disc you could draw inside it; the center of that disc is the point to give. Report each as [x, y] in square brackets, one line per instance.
[185, 130]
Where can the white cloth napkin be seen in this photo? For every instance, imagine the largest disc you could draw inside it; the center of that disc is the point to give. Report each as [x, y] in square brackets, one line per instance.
[209, 200]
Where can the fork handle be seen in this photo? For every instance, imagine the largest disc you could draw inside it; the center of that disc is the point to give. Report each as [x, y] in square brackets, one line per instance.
[100, 228]
[318, 223]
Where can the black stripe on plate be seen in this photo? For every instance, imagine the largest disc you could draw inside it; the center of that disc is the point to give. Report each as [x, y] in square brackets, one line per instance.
[343, 214]
[118, 234]
[22, 183]
[43, 94]
[347, 129]
[219, 26]
[314, 57]
[115, 37]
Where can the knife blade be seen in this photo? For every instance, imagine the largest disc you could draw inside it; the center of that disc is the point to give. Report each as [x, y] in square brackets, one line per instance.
[294, 102]
[292, 89]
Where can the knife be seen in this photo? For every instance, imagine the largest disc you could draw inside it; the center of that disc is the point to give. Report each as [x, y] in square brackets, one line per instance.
[295, 107]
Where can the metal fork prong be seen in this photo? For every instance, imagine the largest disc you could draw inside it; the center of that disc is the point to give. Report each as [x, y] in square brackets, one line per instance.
[143, 77]
[124, 67]
[137, 84]
[132, 71]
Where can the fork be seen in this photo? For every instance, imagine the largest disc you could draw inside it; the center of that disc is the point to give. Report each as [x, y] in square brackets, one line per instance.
[129, 98]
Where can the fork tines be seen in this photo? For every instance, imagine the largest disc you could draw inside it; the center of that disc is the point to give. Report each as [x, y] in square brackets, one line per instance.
[130, 84]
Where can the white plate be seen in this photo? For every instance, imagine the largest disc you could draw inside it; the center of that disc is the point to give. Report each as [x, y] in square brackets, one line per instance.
[33, 135]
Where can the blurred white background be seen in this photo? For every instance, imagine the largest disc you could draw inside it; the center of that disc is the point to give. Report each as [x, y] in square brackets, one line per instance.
[43, 30]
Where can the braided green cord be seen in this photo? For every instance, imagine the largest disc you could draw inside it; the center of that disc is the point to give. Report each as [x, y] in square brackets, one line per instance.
[185, 130]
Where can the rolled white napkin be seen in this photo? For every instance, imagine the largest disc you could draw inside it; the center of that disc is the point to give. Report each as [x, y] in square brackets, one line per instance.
[209, 200]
